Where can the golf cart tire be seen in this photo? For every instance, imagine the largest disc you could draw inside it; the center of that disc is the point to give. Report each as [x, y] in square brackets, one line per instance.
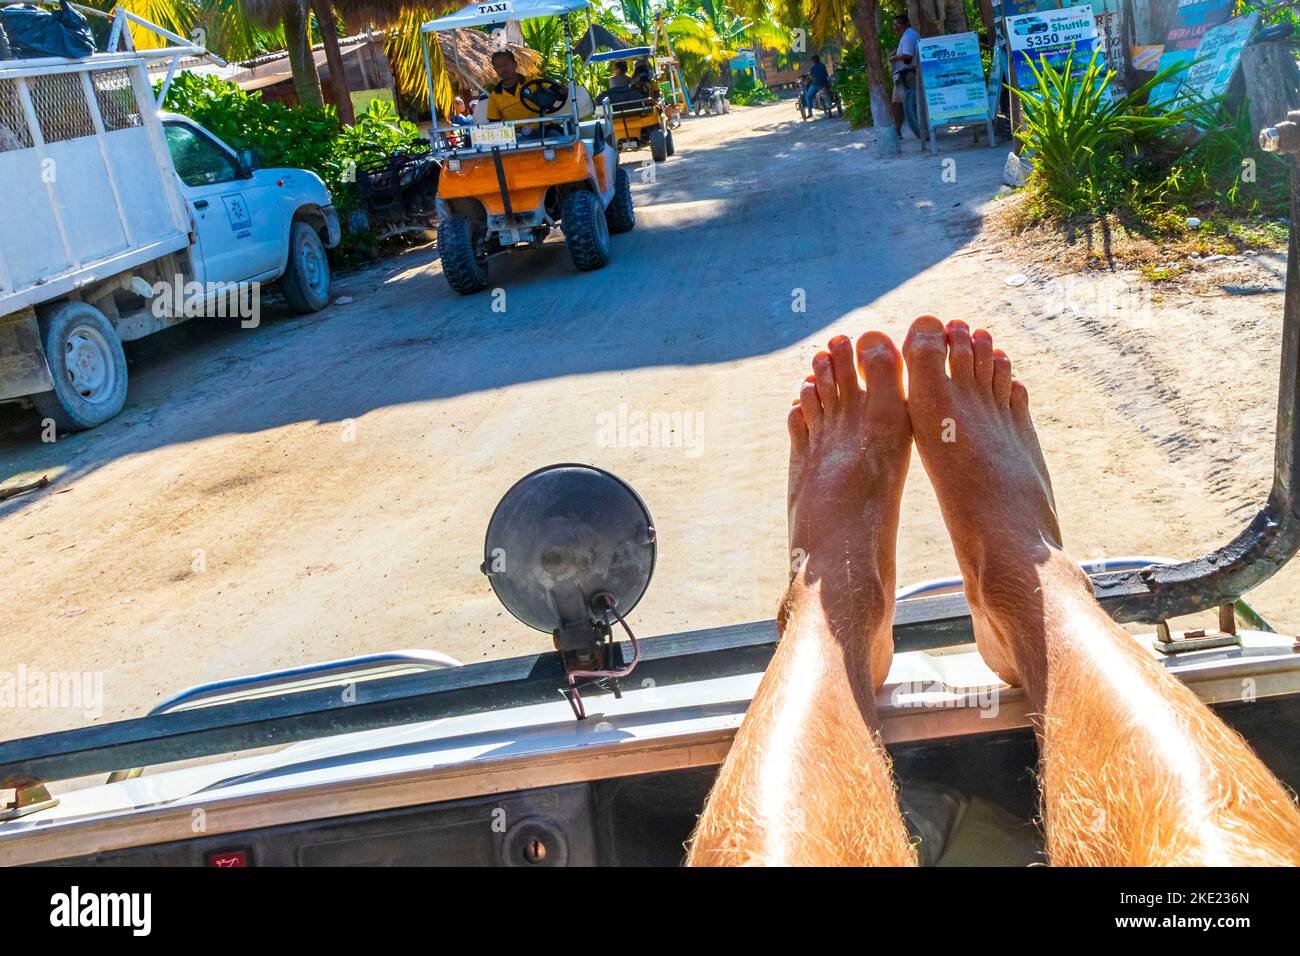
[619, 214]
[461, 266]
[586, 230]
[668, 143]
[304, 291]
[68, 408]
[658, 146]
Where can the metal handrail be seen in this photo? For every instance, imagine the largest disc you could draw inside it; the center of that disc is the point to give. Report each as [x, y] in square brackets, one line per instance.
[307, 676]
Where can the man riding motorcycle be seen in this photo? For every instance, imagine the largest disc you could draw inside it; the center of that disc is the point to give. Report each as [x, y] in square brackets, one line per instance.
[819, 79]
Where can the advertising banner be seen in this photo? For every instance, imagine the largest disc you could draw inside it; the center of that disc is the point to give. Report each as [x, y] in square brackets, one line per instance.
[1054, 35]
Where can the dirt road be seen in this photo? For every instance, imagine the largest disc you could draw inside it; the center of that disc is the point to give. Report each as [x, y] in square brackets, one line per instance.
[319, 487]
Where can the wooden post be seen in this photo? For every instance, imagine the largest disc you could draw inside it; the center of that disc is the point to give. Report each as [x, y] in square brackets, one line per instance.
[1272, 82]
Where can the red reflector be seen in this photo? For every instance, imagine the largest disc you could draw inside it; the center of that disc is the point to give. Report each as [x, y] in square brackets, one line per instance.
[228, 858]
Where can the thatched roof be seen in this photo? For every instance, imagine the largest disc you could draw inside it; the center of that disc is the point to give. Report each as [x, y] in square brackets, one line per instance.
[467, 55]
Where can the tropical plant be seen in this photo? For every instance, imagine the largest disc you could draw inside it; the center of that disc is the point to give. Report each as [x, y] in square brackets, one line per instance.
[707, 34]
[1089, 146]
[1225, 163]
[825, 18]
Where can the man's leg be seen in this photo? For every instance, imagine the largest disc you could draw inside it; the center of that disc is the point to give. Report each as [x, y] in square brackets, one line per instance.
[909, 110]
[807, 781]
[1135, 769]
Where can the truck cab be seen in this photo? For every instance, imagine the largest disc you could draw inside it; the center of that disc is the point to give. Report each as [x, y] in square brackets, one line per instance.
[133, 220]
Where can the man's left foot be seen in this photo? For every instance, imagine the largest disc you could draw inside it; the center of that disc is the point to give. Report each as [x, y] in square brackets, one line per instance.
[849, 446]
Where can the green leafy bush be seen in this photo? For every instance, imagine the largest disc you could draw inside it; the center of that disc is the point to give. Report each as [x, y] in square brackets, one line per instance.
[757, 94]
[1090, 148]
[855, 92]
[1095, 153]
[294, 136]
[1225, 164]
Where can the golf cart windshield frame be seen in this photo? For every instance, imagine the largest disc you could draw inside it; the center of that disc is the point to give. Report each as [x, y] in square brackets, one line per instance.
[484, 14]
[1151, 595]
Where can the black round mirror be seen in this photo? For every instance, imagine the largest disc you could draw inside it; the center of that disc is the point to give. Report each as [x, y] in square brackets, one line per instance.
[563, 541]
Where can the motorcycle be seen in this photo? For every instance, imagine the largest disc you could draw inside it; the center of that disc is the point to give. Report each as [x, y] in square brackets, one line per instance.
[827, 99]
[398, 191]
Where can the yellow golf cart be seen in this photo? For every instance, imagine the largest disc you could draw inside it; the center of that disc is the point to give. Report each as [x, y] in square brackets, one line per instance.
[504, 185]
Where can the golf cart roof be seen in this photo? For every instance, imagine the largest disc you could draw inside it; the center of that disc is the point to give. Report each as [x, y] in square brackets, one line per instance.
[499, 11]
[631, 53]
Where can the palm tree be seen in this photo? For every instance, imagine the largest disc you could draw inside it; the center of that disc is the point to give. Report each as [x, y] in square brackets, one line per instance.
[294, 17]
[711, 32]
[826, 18]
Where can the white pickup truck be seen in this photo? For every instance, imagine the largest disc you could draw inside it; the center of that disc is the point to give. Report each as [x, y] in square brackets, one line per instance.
[118, 220]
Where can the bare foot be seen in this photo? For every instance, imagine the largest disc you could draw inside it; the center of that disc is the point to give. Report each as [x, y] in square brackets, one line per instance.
[970, 419]
[849, 446]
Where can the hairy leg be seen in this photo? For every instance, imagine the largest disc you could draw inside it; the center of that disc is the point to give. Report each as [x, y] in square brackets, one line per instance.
[1135, 769]
[807, 781]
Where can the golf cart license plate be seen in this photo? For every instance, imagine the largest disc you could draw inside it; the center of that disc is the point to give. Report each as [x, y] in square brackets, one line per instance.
[496, 134]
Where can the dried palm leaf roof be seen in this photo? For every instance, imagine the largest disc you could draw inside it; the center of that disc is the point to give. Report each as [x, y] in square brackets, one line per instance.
[467, 56]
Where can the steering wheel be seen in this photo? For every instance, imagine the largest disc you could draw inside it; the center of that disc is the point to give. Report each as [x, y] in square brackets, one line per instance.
[543, 96]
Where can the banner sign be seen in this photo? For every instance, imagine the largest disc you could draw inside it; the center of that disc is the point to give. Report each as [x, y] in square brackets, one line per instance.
[952, 78]
[1192, 20]
[1218, 54]
[1054, 35]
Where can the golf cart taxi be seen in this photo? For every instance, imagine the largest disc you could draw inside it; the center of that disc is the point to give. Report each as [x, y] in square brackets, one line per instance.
[510, 182]
[638, 120]
[600, 750]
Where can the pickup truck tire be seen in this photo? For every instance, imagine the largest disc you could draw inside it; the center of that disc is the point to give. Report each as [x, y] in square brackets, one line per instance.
[619, 214]
[463, 265]
[306, 279]
[87, 364]
[668, 143]
[658, 146]
[586, 230]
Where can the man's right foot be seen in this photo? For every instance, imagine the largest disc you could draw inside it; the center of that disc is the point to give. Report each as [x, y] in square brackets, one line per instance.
[971, 424]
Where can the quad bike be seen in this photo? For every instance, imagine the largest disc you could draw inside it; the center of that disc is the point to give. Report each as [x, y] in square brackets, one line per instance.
[826, 100]
[398, 192]
[714, 100]
[516, 180]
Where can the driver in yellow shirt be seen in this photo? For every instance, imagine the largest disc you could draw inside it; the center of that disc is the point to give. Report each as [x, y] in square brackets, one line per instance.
[503, 99]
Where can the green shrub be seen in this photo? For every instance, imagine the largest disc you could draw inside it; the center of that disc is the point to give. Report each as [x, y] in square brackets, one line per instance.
[294, 136]
[1226, 166]
[1091, 150]
[757, 94]
[851, 81]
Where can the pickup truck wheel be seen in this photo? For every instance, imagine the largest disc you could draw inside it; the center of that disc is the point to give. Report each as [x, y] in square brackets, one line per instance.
[619, 214]
[586, 231]
[668, 143]
[658, 146]
[87, 364]
[306, 280]
[463, 263]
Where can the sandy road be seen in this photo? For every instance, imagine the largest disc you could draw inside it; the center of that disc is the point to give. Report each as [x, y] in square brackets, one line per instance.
[319, 486]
